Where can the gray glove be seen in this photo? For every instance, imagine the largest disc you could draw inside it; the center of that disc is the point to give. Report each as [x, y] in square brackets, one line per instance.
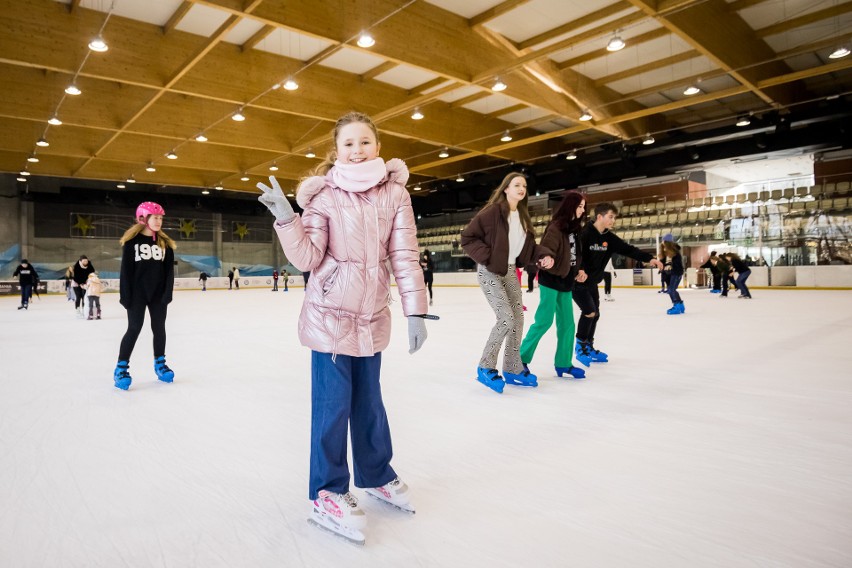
[275, 201]
[416, 333]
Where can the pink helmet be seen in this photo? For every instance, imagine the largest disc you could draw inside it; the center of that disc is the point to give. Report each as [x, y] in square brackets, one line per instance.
[148, 208]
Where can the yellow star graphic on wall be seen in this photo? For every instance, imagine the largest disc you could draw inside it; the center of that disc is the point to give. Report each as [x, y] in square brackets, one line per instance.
[187, 227]
[84, 224]
[242, 230]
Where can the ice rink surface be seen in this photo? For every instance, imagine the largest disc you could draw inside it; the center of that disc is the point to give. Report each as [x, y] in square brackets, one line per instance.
[720, 438]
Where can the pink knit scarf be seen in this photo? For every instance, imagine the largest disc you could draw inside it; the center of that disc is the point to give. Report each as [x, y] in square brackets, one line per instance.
[358, 177]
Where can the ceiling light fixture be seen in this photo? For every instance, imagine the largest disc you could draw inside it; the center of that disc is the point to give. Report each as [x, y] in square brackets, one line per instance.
[201, 138]
[498, 85]
[150, 167]
[572, 155]
[366, 40]
[460, 178]
[244, 177]
[73, 90]
[273, 167]
[21, 178]
[24, 172]
[32, 159]
[586, 116]
[615, 43]
[506, 137]
[691, 90]
[417, 187]
[238, 116]
[205, 191]
[417, 115]
[290, 84]
[120, 186]
[648, 140]
[54, 120]
[276, 86]
[218, 187]
[444, 153]
[43, 143]
[98, 44]
[743, 121]
[310, 153]
[841, 51]
[131, 179]
[171, 155]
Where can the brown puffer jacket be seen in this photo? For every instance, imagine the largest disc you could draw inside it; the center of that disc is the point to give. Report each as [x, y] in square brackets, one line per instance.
[486, 240]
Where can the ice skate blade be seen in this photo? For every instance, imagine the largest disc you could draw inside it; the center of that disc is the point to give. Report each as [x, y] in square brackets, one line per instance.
[351, 536]
[402, 508]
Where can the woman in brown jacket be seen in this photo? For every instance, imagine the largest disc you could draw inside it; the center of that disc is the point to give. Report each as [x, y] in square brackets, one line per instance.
[499, 238]
[562, 237]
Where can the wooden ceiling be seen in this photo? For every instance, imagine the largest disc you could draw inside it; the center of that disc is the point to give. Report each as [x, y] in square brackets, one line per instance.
[176, 68]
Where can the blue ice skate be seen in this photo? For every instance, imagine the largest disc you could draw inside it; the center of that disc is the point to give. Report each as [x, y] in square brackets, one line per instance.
[121, 375]
[676, 309]
[490, 378]
[598, 356]
[163, 372]
[573, 372]
[583, 353]
[522, 379]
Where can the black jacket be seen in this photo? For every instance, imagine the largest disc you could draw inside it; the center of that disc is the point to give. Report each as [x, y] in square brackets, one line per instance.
[147, 272]
[567, 258]
[26, 276]
[598, 248]
[81, 275]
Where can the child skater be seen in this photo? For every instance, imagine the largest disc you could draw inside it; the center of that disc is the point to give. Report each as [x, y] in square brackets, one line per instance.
[674, 266]
[356, 217]
[743, 272]
[499, 238]
[562, 237]
[147, 282]
[94, 289]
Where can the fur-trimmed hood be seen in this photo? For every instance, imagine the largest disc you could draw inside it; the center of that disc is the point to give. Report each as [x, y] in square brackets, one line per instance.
[397, 172]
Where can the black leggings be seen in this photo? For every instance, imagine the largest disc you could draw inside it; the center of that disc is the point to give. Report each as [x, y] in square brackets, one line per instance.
[135, 319]
[588, 300]
[607, 283]
[79, 294]
[428, 280]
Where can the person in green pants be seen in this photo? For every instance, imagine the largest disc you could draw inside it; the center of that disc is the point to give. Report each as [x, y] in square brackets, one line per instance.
[562, 236]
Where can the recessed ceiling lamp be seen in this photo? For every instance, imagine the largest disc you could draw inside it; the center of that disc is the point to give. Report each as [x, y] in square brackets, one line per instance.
[615, 43]
[131, 179]
[73, 90]
[43, 143]
[238, 116]
[460, 178]
[417, 115]
[273, 167]
[743, 121]
[205, 191]
[98, 44]
[366, 40]
[150, 167]
[171, 155]
[120, 186]
[498, 85]
[244, 177]
[290, 84]
[219, 187]
[841, 51]
[572, 155]
[310, 153]
[54, 120]
[201, 138]
[32, 159]
[648, 140]
[444, 153]
[586, 116]
[24, 172]
[506, 137]
[691, 90]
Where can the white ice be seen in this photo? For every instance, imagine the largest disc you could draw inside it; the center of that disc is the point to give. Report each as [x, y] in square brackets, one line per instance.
[720, 438]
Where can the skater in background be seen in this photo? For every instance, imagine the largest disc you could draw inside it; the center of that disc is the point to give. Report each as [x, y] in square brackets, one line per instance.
[275, 280]
[285, 276]
[237, 277]
[664, 273]
[203, 279]
[609, 273]
[94, 289]
[147, 282]
[27, 279]
[711, 265]
[743, 272]
[69, 278]
[674, 266]
[724, 268]
[345, 318]
[562, 238]
[305, 275]
[81, 270]
[231, 279]
[599, 244]
[428, 271]
[499, 238]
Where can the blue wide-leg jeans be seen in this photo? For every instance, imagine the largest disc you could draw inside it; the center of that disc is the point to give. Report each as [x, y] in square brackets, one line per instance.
[346, 394]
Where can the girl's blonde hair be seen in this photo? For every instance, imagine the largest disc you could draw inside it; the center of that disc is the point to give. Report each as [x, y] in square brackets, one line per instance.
[348, 118]
[670, 248]
[498, 197]
[163, 240]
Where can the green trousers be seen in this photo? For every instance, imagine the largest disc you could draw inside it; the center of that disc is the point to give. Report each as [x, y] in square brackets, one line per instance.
[552, 303]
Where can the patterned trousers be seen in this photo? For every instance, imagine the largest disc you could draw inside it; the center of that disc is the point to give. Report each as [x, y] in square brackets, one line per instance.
[504, 296]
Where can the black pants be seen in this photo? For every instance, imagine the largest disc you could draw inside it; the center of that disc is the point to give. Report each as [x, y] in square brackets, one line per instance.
[607, 283]
[135, 319]
[79, 294]
[588, 300]
[726, 279]
[665, 275]
[531, 280]
[274, 284]
[26, 294]
[427, 277]
[717, 281]
[231, 282]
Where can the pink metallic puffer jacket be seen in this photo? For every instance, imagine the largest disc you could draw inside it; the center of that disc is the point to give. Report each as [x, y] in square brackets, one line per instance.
[345, 239]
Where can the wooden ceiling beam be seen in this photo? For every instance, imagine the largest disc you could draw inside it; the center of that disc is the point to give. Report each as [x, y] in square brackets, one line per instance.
[738, 5]
[650, 66]
[470, 98]
[588, 19]
[258, 37]
[378, 70]
[602, 52]
[177, 16]
[428, 85]
[73, 5]
[507, 110]
[801, 21]
[492, 13]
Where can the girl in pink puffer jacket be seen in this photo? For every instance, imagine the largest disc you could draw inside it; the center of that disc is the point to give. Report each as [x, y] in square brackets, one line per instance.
[357, 216]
